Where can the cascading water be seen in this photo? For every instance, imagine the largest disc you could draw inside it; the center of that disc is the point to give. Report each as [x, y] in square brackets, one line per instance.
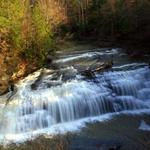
[75, 99]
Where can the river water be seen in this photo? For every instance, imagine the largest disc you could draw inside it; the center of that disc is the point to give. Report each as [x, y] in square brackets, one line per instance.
[64, 100]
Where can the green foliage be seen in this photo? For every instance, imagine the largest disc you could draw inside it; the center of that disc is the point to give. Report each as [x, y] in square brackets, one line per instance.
[39, 42]
[30, 25]
[11, 13]
[43, 32]
[30, 33]
[110, 18]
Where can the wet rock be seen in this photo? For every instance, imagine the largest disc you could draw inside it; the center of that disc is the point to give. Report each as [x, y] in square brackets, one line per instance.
[45, 79]
[34, 86]
[86, 143]
[37, 82]
[68, 73]
[12, 89]
[11, 86]
[49, 59]
[116, 147]
[53, 83]
[88, 73]
[50, 64]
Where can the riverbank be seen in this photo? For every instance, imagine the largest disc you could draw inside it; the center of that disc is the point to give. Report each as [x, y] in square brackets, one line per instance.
[120, 133]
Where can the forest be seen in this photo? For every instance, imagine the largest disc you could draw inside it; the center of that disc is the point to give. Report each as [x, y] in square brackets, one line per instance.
[30, 28]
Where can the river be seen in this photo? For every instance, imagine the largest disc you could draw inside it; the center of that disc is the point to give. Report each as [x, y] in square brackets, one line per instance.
[65, 100]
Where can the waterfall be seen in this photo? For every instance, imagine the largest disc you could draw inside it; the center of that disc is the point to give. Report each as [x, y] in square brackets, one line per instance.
[75, 99]
[71, 101]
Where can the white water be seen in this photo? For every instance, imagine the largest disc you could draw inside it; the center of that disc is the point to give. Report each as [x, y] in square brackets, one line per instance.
[65, 107]
[90, 54]
[144, 126]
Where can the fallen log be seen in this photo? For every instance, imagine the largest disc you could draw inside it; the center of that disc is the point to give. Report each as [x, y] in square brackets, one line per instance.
[104, 66]
[90, 71]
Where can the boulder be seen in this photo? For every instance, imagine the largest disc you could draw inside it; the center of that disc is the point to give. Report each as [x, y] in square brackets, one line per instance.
[88, 73]
[38, 81]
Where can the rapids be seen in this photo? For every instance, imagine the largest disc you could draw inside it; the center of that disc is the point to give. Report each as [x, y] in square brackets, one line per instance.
[124, 88]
